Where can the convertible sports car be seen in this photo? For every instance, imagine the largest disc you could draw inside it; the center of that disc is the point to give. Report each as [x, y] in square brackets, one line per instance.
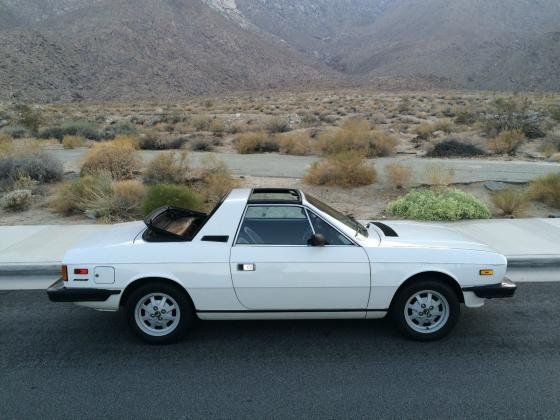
[279, 254]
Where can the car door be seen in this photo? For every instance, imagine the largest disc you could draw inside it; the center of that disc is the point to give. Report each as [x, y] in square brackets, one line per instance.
[274, 269]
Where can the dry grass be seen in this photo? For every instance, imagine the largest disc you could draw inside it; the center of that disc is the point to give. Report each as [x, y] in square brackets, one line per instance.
[546, 189]
[127, 200]
[122, 161]
[347, 169]
[356, 135]
[439, 176]
[167, 168]
[398, 174]
[87, 193]
[71, 142]
[510, 201]
[255, 142]
[507, 142]
[216, 179]
[295, 143]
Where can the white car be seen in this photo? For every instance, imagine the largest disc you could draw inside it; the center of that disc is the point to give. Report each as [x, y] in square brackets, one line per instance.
[279, 254]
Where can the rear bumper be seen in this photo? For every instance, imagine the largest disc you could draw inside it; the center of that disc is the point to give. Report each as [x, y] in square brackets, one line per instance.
[504, 289]
[57, 292]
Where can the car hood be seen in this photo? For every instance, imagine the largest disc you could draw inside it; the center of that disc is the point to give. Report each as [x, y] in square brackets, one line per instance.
[415, 234]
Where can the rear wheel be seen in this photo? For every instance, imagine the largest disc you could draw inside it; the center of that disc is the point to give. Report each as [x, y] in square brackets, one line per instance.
[426, 310]
[159, 312]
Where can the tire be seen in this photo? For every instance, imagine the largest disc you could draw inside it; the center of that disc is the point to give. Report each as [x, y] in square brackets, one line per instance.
[159, 313]
[426, 310]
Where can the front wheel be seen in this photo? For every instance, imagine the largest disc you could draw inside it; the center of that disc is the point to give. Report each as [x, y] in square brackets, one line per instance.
[159, 313]
[426, 310]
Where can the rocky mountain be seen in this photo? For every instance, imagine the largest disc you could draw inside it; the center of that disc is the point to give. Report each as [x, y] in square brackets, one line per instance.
[106, 49]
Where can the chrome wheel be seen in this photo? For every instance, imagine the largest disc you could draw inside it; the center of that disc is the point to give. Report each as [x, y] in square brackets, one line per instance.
[157, 314]
[426, 311]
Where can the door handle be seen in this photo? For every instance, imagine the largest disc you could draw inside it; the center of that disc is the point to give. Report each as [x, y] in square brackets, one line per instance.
[246, 267]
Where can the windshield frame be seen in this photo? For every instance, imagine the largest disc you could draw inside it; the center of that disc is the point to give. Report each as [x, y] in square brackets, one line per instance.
[346, 220]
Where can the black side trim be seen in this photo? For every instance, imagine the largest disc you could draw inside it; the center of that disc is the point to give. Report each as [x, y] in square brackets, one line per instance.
[387, 230]
[57, 292]
[504, 289]
[269, 311]
[215, 238]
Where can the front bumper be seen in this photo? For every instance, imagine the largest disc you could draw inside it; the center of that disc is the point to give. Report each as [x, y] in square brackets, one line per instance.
[504, 289]
[58, 292]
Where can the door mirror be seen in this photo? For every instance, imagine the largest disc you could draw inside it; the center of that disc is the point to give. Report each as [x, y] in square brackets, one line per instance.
[317, 240]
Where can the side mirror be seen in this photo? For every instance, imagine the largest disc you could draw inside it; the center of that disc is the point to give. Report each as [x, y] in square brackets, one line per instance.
[317, 240]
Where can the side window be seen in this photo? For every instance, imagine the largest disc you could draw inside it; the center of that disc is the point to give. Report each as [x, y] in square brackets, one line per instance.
[332, 236]
[274, 225]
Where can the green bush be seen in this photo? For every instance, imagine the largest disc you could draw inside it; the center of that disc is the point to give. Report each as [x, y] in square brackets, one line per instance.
[447, 204]
[76, 128]
[29, 118]
[171, 195]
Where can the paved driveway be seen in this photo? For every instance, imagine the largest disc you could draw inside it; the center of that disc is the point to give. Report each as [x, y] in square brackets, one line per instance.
[286, 166]
[62, 361]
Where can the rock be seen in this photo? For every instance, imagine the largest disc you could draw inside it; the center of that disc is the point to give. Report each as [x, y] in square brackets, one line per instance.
[3, 123]
[438, 133]
[495, 186]
[90, 214]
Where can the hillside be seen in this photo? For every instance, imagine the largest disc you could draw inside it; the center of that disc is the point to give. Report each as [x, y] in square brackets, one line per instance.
[139, 48]
[103, 49]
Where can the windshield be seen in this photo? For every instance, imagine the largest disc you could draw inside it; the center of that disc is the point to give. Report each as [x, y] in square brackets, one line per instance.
[347, 220]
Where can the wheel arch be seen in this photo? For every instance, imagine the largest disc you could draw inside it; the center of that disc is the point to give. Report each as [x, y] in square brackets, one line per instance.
[147, 280]
[432, 275]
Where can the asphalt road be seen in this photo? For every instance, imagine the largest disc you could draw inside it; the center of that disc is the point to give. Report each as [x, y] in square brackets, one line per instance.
[62, 361]
[286, 166]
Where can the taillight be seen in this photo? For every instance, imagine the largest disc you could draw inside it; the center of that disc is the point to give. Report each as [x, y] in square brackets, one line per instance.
[80, 271]
[64, 273]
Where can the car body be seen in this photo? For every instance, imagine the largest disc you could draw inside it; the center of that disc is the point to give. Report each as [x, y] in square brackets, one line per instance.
[279, 254]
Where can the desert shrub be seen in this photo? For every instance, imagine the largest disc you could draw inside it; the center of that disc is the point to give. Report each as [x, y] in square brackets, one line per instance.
[201, 122]
[551, 144]
[127, 200]
[512, 114]
[38, 166]
[510, 201]
[347, 169]
[17, 132]
[55, 132]
[255, 142]
[6, 144]
[29, 118]
[309, 119]
[101, 196]
[446, 204]
[546, 189]
[507, 142]
[17, 200]
[71, 142]
[167, 168]
[277, 125]
[171, 195]
[217, 127]
[555, 112]
[452, 147]
[356, 135]
[216, 179]
[75, 128]
[425, 130]
[438, 176]
[124, 128]
[120, 160]
[201, 144]
[445, 125]
[92, 193]
[465, 116]
[398, 174]
[295, 143]
[154, 142]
